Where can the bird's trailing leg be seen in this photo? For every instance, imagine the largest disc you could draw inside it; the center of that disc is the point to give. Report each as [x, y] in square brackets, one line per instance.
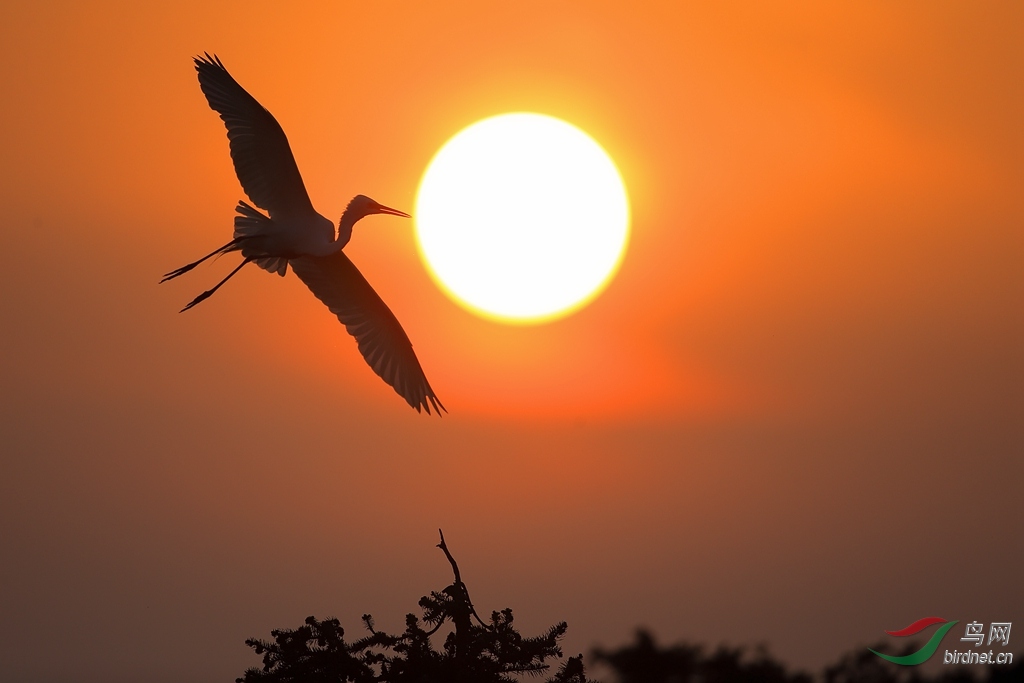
[208, 293]
[230, 246]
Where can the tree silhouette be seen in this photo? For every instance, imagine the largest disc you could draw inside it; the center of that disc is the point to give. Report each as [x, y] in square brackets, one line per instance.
[493, 651]
[480, 652]
[861, 666]
[644, 661]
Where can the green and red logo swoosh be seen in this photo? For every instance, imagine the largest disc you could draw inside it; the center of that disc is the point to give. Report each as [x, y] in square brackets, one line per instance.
[929, 648]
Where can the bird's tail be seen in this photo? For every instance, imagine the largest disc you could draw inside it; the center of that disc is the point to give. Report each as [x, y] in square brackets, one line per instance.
[250, 222]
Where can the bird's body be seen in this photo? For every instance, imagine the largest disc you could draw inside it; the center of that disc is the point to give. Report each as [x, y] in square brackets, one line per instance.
[291, 232]
[300, 236]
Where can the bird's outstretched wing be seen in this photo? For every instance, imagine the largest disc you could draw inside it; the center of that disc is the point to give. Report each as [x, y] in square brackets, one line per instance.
[263, 160]
[338, 283]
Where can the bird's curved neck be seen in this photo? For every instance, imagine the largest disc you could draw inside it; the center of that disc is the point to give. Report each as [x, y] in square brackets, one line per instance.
[325, 248]
[345, 229]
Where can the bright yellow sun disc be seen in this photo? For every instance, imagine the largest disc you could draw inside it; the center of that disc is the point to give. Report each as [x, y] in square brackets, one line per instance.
[522, 217]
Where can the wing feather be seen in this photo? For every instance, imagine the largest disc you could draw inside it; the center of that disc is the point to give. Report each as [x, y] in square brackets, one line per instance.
[383, 343]
[263, 159]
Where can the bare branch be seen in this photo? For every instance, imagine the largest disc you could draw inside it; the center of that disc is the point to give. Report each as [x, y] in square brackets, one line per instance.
[455, 567]
[458, 581]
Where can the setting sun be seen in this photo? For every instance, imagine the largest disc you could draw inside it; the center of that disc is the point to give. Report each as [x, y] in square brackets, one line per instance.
[522, 218]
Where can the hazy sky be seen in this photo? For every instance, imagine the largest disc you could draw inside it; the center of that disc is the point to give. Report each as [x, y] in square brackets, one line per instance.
[795, 417]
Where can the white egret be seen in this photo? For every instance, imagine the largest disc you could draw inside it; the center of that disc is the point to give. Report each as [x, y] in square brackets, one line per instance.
[295, 234]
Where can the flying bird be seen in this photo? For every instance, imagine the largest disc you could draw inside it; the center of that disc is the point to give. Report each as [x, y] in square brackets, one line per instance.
[294, 234]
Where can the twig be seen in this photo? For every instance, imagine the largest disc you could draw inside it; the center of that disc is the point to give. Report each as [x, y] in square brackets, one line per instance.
[458, 581]
[455, 567]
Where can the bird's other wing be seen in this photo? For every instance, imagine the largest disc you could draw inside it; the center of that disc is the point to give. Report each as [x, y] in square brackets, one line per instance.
[263, 160]
[338, 283]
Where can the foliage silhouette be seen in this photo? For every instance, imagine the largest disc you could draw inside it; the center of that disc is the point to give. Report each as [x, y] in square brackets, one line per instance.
[644, 661]
[493, 651]
[861, 666]
[481, 652]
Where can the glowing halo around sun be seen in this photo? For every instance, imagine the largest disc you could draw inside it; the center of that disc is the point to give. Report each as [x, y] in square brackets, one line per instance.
[522, 218]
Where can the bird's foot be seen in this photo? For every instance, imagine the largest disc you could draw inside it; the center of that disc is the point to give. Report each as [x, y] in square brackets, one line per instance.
[202, 297]
[178, 271]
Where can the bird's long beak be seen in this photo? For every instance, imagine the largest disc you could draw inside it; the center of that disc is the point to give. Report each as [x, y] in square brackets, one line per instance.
[391, 212]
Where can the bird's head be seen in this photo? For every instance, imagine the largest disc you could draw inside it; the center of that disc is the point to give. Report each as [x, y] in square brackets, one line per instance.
[362, 206]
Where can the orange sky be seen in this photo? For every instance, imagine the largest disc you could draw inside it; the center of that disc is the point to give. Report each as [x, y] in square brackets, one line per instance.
[794, 417]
